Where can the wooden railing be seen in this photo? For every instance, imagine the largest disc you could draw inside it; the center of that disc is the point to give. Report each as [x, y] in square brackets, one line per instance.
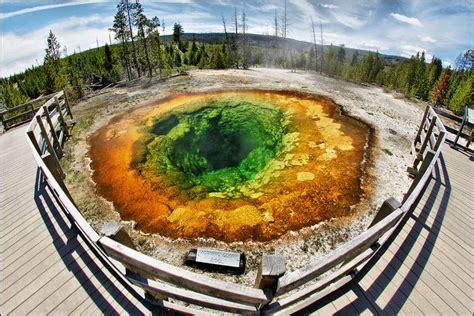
[286, 292]
[23, 113]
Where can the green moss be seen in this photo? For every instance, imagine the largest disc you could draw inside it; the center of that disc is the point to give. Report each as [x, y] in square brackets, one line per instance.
[217, 145]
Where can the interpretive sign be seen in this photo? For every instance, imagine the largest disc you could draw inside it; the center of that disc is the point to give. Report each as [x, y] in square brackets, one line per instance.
[224, 258]
[214, 258]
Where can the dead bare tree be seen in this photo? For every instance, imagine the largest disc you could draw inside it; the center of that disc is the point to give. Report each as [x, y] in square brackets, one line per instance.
[225, 28]
[284, 23]
[315, 46]
[276, 23]
[236, 39]
[225, 32]
[244, 40]
[322, 48]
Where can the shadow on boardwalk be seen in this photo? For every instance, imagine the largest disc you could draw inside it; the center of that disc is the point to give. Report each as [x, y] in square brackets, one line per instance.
[70, 246]
[441, 188]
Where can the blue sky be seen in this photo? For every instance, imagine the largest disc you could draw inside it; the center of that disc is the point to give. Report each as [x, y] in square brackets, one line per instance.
[398, 27]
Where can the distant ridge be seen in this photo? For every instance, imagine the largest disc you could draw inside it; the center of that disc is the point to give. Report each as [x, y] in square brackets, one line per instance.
[261, 40]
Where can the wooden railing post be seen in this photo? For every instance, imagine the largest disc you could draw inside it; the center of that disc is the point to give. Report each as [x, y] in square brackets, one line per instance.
[56, 170]
[58, 147]
[31, 136]
[3, 123]
[413, 170]
[424, 168]
[388, 206]
[115, 231]
[426, 140]
[418, 134]
[49, 145]
[66, 101]
[271, 268]
[32, 105]
[439, 140]
[62, 121]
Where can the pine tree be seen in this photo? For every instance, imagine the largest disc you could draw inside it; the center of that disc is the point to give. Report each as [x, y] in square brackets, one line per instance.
[122, 33]
[76, 79]
[464, 95]
[144, 27]
[217, 59]
[341, 55]
[331, 63]
[129, 8]
[377, 66]
[355, 58]
[439, 92]
[55, 76]
[410, 75]
[177, 58]
[202, 58]
[154, 36]
[420, 85]
[10, 96]
[193, 58]
[108, 62]
[177, 32]
[432, 73]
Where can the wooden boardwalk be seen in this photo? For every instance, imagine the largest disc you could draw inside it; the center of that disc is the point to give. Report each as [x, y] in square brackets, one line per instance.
[46, 267]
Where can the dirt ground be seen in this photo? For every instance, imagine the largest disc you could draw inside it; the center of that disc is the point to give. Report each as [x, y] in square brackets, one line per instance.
[393, 118]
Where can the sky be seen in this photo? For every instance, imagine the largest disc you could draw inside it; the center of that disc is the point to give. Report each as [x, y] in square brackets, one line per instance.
[397, 27]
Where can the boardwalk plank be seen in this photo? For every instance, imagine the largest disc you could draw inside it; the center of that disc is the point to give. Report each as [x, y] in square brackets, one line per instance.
[441, 255]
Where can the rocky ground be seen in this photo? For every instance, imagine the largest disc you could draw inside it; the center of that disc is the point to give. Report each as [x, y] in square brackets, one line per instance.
[393, 118]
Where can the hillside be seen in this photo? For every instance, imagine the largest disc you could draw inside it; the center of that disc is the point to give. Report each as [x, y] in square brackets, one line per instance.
[273, 41]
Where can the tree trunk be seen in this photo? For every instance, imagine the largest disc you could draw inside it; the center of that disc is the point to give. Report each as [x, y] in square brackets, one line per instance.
[135, 60]
[322, 48]
[315, 47]
[127, 63]
[236, 44]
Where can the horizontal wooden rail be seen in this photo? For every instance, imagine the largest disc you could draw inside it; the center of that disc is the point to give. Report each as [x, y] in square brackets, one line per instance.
[167, 290]
[22, 113]
[346, 251]
[187, 279]
[46, 135]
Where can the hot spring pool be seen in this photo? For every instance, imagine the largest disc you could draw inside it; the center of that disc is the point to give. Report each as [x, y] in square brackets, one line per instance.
[231, 165]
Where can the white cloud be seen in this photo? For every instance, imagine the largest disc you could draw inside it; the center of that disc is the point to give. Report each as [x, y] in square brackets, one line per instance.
[411, 50]
[46, 7]
[447, 63]
[428, 39]
[306, 9]
[406, 19]
[351, 21]
[26, 49]
[329, 6]
[359, 42]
